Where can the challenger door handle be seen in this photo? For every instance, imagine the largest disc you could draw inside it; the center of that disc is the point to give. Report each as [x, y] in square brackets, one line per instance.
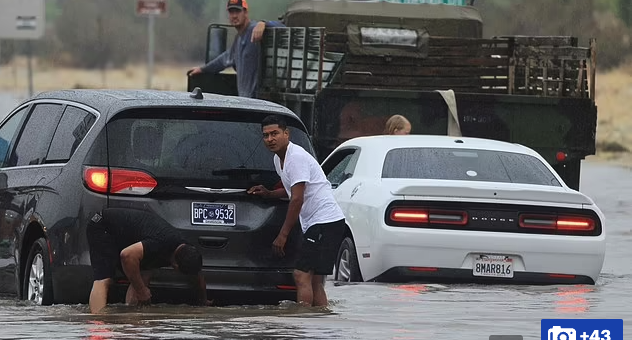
[212, 242]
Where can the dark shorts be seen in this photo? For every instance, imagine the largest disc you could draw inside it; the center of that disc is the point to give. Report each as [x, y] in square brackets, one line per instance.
[104, 254]
[320, 248]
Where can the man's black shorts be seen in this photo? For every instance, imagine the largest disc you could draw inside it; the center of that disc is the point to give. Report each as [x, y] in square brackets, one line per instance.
[104, 253]
[120, 228]
[320, 247]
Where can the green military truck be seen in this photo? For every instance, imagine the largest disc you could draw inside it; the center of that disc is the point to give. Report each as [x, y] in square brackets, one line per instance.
[346, 67]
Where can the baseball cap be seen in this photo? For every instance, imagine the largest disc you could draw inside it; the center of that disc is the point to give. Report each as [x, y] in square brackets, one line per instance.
[238, 4]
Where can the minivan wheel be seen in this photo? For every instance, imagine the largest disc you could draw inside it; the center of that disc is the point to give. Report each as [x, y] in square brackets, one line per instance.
[347, 268]
[38, 283]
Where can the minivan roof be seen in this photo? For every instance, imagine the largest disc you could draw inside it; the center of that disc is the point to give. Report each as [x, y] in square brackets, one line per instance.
[111, 101]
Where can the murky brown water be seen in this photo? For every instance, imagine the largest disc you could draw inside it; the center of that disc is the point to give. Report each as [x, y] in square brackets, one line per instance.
[372, 311]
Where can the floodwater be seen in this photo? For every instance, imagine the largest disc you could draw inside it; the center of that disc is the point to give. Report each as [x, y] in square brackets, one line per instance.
[370, 310]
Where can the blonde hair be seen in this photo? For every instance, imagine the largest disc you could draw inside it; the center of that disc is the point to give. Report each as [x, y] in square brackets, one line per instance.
[396, 122]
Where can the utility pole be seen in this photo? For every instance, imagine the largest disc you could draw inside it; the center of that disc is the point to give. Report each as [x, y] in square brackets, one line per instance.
[23, 20]
[150, 51]
[151, 9]
[29, 48]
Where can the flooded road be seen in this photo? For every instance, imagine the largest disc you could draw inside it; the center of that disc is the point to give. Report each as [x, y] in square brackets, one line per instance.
[373, 311]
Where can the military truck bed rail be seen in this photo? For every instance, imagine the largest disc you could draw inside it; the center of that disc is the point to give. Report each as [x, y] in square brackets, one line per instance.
[538, 66]
[542, 66]
[294, 60]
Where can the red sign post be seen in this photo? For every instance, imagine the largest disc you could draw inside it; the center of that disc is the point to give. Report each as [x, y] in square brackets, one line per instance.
[151, 9]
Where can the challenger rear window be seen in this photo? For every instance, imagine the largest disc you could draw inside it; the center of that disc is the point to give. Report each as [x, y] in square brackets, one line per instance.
[466, 165]
[203, 145]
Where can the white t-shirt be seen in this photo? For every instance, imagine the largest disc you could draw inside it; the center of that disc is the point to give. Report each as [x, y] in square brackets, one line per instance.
[319, 204]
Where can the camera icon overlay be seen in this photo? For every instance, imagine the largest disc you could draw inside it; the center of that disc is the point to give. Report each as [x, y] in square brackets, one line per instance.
[559, 333]
[581, 329]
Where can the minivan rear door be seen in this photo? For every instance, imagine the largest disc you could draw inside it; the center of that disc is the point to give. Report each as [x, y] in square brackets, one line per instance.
[192, 167]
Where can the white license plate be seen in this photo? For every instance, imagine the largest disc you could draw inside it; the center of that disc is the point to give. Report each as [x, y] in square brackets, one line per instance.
[213, 213]
[493, 266]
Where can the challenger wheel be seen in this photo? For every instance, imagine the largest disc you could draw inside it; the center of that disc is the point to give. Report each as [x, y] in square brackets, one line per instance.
[347, 268]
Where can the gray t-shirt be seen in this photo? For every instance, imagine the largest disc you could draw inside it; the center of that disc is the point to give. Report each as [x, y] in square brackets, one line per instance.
[243, 56]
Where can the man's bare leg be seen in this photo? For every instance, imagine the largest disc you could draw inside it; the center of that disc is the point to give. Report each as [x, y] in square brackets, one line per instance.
[318, 287]
[130, 297]
[304, 293]
[99, 295]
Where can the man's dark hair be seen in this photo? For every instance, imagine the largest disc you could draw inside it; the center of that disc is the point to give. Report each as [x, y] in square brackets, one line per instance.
[274, 120]
[189, 260]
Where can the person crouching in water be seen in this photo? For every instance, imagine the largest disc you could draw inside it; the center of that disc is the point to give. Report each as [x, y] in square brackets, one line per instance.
[135, 241]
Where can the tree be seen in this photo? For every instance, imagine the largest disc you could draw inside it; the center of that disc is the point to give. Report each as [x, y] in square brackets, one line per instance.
[624, 11]
[100, 32]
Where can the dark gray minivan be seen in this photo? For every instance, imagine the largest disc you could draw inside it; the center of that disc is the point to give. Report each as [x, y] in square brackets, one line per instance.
[187, 157]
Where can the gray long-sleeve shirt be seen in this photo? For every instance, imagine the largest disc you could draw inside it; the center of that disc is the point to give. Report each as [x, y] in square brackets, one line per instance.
[243, 56]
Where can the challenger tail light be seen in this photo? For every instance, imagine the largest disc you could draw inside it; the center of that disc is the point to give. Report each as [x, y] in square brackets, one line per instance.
[426, 216]
[118, 181]
[557, 222]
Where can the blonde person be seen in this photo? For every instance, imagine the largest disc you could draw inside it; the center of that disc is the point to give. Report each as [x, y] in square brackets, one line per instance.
[397, 125]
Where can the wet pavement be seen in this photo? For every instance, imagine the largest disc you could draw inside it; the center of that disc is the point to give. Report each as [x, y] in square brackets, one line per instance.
[370, 310]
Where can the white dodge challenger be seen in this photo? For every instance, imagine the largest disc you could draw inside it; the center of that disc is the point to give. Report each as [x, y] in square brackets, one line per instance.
[452, 209]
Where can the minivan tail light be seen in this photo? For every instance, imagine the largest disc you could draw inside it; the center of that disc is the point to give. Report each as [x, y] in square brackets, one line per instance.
[96, 179]
[119, 181]
[555, 222]
[131, 182]
[425, 216]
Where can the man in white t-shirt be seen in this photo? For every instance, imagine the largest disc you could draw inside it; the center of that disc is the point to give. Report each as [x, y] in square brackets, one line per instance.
[312, 203]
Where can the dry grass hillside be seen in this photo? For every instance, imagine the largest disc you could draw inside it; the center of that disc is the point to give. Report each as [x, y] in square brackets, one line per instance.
[614, 117]
[614, 90]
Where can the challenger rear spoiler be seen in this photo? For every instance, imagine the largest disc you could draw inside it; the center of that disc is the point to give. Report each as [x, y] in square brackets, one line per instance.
[519, 194]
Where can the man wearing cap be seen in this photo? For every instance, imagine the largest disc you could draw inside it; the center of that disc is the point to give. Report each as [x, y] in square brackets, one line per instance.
[243, 56]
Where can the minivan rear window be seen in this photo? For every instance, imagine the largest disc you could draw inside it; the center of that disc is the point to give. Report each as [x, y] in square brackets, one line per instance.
[466, 165]
[202, 145]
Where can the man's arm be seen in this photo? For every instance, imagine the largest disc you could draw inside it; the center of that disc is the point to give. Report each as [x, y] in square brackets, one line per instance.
[130, 261]
[260, 190]
[257, 32]
[200, 284]
[294, 208]
[278, 193]
[298, 172]
[218, 64]
[293, 212]
[275, 23]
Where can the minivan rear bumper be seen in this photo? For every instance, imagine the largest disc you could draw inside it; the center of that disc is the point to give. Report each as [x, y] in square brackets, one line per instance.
[225, 286]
